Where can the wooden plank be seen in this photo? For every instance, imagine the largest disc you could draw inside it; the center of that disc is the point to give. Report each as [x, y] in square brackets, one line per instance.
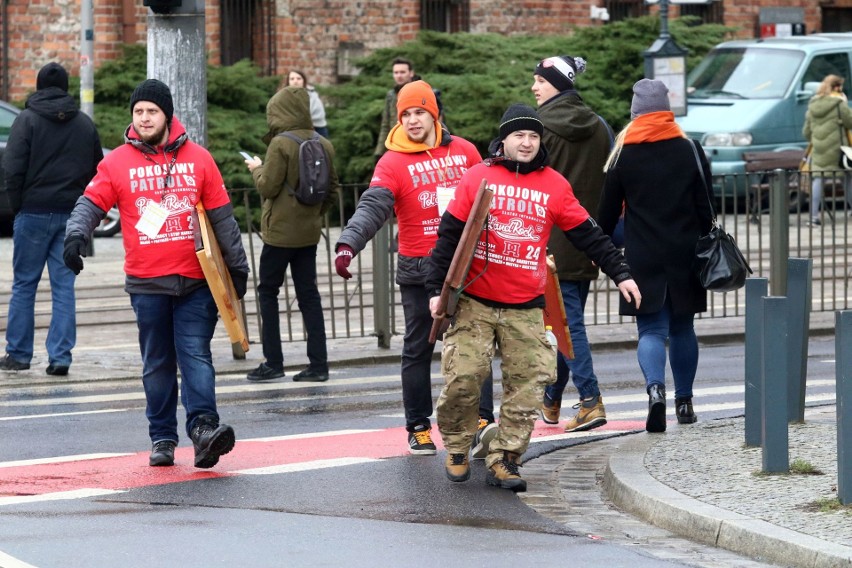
[554, 310]
[219, 279]
[764, 161]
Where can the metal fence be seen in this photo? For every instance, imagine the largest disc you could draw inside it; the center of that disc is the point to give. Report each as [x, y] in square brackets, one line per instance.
[769, 220]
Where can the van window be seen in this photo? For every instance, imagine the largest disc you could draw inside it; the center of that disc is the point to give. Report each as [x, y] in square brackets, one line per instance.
[744, 73]
[828, 64]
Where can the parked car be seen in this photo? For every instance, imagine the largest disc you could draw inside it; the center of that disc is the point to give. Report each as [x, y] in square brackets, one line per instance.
[110, 225]
[751, 96]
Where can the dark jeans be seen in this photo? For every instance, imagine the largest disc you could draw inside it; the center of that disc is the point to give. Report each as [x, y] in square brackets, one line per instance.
[654, 330]
[273, 268]
[175, 331]
[417, 362]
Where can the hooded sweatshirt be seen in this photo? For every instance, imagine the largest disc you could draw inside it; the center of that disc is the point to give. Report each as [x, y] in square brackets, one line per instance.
[285, 222]
[578, 142]
[52, 152]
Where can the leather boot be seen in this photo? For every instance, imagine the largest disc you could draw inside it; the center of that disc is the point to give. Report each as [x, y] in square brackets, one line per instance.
[684, 412]
[656, 421]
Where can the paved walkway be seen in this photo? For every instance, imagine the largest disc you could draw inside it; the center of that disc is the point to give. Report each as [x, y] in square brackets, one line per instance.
[697, 480]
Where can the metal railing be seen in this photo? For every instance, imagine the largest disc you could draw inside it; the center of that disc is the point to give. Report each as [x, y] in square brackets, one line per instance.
[369, 303]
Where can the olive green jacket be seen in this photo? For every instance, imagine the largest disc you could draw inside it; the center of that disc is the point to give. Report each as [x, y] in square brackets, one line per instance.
[284, 221]
[826, 122]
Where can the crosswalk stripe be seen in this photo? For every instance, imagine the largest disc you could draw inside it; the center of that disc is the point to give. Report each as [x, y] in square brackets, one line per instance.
[309, 435]
[7, 561]
[304, 466]
[60, 459]
[57, 414]
[57, 496]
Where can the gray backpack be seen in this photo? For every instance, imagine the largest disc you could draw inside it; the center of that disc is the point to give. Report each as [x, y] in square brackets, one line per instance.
[314, 170]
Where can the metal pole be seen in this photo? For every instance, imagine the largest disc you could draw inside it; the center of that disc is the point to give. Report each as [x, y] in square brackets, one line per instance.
[176, 56]
[799, 302]
[843, 376]
[664, 19]
[755, 290]
[779, 234]
[87, 54]
[381, 286]
[774, 433]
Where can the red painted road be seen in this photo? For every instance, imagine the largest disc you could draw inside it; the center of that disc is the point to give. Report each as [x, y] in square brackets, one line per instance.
[127, 472]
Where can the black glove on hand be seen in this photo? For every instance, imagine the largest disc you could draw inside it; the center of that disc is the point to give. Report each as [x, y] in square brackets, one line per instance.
[240, 280]
[75, 249]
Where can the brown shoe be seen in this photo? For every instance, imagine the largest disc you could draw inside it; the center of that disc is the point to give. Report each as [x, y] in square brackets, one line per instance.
[457, 467]
[504, 473]
[550, 410]
[591, 414]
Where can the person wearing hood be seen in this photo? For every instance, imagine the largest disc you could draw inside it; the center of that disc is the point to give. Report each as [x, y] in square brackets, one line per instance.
[504, 303]
[578, 142]
[827, 121]
[157, 178]
[654, 176]
[423, 162]
[290, 232]
[296, 78]
[52, 152]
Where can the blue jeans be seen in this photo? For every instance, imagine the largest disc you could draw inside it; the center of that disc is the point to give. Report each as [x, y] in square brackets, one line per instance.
[654, 330]
[38, 240]
[303, 266]
[175, 331]
[580, 368]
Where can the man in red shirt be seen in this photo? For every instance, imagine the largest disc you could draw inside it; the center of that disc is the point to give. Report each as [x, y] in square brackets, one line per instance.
[422, 164]
[157, 178]
[504, 303]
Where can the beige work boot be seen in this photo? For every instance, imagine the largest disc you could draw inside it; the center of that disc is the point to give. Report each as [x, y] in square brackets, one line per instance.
[591, 414]
[550, 409]
[504, 473]
[457, 467]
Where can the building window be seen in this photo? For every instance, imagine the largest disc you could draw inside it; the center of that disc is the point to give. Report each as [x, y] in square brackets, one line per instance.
[247, 32]
[445, 15]
[710, 13]
[625, 9]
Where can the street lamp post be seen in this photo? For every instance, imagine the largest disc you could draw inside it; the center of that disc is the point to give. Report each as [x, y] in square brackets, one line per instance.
[665, 60]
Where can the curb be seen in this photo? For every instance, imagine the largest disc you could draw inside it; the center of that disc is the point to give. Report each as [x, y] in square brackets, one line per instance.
[628, 485]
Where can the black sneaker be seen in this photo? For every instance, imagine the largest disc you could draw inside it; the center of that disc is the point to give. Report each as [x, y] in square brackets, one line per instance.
[311, 376]
[162, 454]
[211, 440]
[420, 441]
[9, 364]
[485, 433]
[59, 370]
[265, 373]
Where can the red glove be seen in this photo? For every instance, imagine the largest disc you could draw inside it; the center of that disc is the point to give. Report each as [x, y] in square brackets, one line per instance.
[345, 254]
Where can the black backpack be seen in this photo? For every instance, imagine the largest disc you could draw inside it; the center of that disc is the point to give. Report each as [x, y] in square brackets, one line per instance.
[314, 170]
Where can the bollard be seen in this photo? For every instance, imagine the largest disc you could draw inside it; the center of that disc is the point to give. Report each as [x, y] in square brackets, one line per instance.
[779, 233]
[382, 286]
[843, 375]
[755, 289]
[799, 271]
[774, 433]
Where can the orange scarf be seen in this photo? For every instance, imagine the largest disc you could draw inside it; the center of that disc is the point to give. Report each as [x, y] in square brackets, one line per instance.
[653, 127]
[398, 140]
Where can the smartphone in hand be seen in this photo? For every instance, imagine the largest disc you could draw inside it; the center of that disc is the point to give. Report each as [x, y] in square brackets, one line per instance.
[245, 155]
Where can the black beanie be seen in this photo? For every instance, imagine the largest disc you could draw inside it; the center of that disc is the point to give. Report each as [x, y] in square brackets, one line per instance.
[560, 71]
[52, 75]
[156, 92]
[520, 117]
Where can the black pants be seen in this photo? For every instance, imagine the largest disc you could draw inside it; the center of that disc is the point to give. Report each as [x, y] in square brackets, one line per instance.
[417, 362]
[273, 268]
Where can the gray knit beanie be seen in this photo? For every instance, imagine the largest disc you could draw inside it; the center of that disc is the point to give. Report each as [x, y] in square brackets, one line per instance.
[649, 95]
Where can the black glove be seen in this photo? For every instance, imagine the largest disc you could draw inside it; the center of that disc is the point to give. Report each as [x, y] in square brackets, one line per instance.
[240, 280]
[75, 249]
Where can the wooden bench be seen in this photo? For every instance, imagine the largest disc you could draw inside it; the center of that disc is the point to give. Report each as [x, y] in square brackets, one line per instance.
[760, 165]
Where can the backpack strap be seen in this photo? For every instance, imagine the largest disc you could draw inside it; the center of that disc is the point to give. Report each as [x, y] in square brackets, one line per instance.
[608, 131]
[291, 136]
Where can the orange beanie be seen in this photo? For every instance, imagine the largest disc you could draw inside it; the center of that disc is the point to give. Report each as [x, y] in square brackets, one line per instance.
[416, 94]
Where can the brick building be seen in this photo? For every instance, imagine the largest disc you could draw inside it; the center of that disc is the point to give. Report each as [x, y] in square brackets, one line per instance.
[323, 37]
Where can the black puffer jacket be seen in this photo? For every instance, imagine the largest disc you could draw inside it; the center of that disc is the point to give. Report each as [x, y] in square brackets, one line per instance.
[52, 153]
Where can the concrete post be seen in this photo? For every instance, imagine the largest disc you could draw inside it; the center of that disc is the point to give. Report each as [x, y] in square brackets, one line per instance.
[381, 286]
[176, 56]
[843, 372]
[87, 72]
[755, 290]
[799, 271]
[774, 433]
[779, 234]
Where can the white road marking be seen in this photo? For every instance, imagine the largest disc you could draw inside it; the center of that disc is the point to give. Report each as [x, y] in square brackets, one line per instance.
[304, 466]
[7, 561]
[60, 459]
[54, 415]
[309, 435]
[58, 496]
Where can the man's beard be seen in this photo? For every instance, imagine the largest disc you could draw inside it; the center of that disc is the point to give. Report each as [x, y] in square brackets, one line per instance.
[154, 138]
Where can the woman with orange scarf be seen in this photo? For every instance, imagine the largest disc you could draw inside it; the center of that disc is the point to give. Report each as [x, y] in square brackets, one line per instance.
[653, 173]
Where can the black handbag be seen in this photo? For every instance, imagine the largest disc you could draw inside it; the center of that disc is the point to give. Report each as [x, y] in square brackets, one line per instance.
[719, 263]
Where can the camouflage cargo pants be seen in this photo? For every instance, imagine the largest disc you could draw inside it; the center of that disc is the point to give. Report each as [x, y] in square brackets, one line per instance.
[528, 366]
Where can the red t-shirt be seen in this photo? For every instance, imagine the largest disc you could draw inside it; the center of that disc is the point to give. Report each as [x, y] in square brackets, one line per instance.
[131, 180]
[413, 179]
[523, 210]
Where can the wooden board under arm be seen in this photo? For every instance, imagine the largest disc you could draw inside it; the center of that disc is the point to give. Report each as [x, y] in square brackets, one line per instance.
[554, 310]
